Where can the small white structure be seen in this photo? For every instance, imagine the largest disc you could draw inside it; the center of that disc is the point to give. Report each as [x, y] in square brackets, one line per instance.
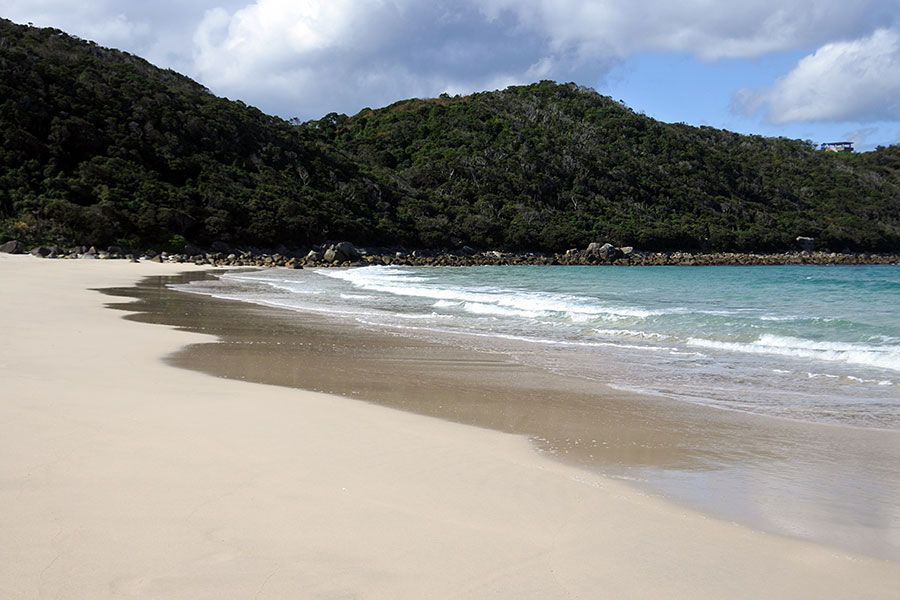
[838, 147]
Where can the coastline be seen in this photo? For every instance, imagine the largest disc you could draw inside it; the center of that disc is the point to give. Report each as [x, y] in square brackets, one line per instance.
[123, 476]
[345, 254]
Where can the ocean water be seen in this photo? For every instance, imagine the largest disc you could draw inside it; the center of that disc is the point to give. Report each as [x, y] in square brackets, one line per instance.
[810, 343]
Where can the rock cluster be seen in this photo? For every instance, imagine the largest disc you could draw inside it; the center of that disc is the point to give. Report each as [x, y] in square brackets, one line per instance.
[345, 254]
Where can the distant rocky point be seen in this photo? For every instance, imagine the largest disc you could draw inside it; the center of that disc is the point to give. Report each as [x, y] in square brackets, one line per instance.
[345, 254]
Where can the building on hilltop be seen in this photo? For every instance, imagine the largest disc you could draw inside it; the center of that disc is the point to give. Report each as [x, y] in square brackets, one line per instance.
[838, 147]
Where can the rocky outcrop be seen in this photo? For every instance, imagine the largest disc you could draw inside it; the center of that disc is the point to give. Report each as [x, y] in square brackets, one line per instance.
[341, 252]
[603, 252]
[44, 251]
[12, 247]
[345, 254]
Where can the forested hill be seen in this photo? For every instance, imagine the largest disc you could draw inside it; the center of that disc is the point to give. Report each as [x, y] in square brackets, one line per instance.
[100, 147]
[552, 166]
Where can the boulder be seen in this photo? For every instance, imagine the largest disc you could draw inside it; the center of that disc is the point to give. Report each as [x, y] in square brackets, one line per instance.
[41, 251]
[314, 256]
[341, 252]
[13, 247]
[806, 244]
[348, 250]
[606, 251]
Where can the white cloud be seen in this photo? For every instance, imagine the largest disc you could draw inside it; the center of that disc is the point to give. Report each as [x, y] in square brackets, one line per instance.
[159, 31]
[321, 55]
[706, 28]
[857, 80]
[301, 57]
[309, 57]
[89, 20]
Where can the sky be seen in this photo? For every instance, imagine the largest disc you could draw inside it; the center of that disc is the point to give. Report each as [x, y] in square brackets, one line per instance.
[822, 70]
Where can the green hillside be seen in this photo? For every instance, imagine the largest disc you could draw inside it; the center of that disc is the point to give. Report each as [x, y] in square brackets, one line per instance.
[100, 147]
[551, 166]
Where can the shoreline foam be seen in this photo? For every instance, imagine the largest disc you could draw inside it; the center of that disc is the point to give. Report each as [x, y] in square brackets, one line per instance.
[122, 476]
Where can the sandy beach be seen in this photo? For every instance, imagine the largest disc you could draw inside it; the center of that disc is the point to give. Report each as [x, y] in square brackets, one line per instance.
[122, 476]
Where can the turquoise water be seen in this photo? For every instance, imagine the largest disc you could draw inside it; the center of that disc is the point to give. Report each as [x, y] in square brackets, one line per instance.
[810, 343]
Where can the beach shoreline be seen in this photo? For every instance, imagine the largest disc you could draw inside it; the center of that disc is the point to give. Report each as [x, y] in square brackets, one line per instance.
[822, 483]
[123, 476]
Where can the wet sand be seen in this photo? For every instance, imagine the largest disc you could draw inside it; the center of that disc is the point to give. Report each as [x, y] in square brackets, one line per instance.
[824, 483]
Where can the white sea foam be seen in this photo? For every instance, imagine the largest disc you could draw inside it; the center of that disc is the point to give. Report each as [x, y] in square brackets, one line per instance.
[884, 357]
[479, 308]
[421, 316]
[361, 276]
[682, 353]
[739, 344]
[447, 304]
[823, 375]
[881, 382]
[507, 302]
[644, 335]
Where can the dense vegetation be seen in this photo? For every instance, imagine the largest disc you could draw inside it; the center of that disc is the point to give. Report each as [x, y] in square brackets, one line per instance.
[99, 146]
[546, 166]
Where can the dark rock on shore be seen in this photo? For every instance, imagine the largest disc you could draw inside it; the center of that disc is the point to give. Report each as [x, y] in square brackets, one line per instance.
[13, 247]
[345, 254]
[806, 244]
[42, 251]
[603, 252]
[341, 253]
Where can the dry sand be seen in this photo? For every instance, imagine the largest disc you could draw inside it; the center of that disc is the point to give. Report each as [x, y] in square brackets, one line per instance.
[121, 476]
